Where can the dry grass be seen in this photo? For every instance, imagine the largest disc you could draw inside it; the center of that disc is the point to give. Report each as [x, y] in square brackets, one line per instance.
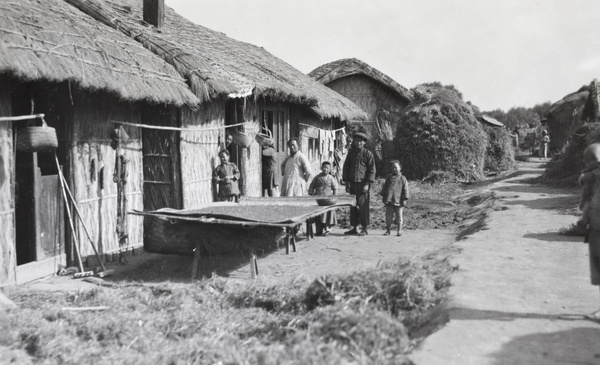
[362, 318]
[431, 206]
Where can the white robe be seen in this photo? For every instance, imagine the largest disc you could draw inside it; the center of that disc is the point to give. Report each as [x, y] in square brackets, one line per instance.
[296, 169]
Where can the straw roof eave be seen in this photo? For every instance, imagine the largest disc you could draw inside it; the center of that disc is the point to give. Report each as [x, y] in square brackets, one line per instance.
[54, 42]
[215, 65]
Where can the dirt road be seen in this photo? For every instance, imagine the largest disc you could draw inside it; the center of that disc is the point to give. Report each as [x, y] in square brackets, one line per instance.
[521, 288]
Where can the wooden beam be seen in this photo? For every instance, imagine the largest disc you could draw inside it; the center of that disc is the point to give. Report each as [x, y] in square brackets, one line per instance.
[154, 12]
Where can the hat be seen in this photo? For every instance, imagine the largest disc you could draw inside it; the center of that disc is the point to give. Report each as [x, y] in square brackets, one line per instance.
[361, 135]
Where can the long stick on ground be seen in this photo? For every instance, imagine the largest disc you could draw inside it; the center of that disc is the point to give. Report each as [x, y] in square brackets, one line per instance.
[83, 223]
[64, 194]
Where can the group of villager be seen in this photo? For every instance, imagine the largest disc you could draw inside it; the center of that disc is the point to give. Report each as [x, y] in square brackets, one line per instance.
[358, 176]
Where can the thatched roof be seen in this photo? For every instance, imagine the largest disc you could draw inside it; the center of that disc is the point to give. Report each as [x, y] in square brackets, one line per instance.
[563, 109]
[490, 121]
[52, 41]
[351, 66]
[591, 110]
[218, 66]
[565, 116]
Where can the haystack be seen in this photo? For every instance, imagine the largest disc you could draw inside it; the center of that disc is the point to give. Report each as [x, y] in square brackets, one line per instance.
[500, 154]
[439, 132]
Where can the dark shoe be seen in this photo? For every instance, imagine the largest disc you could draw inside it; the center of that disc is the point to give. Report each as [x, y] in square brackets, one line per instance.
[387, 233]
[364, 232]
[325, 233]
[352, 231]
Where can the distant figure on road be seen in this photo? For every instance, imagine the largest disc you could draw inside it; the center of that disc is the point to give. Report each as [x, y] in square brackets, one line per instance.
[591, 182]
[544, 141]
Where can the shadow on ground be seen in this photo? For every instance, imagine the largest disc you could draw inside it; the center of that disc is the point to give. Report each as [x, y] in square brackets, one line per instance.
[553, 237]
[559, 202]
[159, 267]
[572, 346]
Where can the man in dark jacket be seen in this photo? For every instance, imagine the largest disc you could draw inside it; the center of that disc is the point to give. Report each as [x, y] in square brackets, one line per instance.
[358, 175]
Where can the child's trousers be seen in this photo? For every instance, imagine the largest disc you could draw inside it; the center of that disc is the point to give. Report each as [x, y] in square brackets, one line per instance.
[393, 214]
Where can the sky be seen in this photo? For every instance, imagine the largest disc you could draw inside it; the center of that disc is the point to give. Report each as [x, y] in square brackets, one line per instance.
[498, 53]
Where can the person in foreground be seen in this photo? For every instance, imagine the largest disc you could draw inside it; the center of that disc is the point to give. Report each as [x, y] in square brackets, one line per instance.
[358, 175]
[394, 195]
[324, 184]
[591, 182]
[226, 176]
[296, 171]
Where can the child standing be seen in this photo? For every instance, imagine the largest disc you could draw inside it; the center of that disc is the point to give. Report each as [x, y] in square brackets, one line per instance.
[324, 184]
[394, 194]
[226, 175]
[591, 209]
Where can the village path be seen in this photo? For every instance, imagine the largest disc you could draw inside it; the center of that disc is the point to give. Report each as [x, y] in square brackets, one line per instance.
[521, 289]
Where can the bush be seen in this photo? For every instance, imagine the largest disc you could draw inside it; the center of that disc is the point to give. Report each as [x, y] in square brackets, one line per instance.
[439, 132]
[500, 154]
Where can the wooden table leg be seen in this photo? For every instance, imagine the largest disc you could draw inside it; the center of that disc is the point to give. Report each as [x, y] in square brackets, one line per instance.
[287, 240]
[196, 264]
[294, 241]
[253, 266]
[308, 229]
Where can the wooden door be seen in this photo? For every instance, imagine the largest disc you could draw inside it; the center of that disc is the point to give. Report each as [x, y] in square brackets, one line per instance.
[49, 216]
[278, 123]
[161, 169]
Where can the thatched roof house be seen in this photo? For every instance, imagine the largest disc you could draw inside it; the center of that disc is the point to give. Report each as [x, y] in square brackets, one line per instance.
[237, 83]
[565, 116]
[53, 42]
[379, 95]
[577, 118]
[56, 60]
[216, 65]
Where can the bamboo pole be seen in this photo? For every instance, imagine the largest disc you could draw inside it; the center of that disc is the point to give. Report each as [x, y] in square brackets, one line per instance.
[21, 117]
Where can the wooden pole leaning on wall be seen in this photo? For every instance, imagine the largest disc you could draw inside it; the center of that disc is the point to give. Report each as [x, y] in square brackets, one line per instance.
[21, 117]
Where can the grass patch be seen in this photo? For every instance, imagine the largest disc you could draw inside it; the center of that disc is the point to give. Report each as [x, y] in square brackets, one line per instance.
[431, 206]
[364, 317]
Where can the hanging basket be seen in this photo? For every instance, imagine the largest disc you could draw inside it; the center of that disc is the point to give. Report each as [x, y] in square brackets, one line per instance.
[265, 138]
[242, 139]
[37, 139]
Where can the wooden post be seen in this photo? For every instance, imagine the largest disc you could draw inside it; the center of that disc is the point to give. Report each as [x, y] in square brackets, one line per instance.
[154, 12]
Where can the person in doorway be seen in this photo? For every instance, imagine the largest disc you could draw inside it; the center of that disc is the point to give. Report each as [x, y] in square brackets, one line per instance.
[324, 184]
[296, 171]
[394, 195]
[544, 141]
[226, 176]
[269, 168]
[358, 175]
[592, 153]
